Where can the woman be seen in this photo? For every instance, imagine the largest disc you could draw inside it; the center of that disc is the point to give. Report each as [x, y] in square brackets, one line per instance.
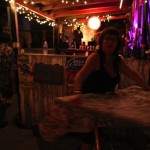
[101, 71]
[99, 74]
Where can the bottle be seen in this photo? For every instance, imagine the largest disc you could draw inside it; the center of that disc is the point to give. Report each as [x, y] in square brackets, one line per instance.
[45, 47]
[84, 46]
[72, 44]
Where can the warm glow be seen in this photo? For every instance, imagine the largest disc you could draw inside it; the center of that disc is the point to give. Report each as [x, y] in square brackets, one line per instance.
[94, 23]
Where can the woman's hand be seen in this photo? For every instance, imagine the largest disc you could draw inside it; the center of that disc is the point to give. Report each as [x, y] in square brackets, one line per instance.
[76, 98]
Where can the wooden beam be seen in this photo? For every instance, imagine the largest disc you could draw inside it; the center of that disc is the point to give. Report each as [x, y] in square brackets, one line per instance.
[81, 6]
[84, 20]
[89, 11]
[104, 18]
[40, 1]
[45, 2]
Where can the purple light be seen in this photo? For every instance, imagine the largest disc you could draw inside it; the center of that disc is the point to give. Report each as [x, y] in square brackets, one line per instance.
[148, 20]
[142, 15]
[135, 22]
[140, 20]
[148, 12]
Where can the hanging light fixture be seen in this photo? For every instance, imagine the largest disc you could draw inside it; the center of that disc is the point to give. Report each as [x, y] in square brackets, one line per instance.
[94, 23]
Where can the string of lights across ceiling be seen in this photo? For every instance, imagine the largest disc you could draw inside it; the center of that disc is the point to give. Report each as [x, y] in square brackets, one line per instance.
[32, 15]
[76, 22]
[73, 2]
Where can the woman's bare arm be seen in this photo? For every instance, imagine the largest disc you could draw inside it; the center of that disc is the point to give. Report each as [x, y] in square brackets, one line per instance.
[133, 75]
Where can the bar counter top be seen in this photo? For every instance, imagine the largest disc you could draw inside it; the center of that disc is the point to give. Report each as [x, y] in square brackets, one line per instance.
[50, 54]
[69, 51]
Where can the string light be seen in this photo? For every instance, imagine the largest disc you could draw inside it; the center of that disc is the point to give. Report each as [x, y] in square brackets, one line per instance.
[29, 2]
[106, 17]
[30, 15]
[10, 1]
[73, 22]
[76, 23]
[33, 16]
[73, 2]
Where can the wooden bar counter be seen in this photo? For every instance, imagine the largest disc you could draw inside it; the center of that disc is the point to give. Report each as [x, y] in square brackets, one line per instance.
[37, 95]
[42, 78]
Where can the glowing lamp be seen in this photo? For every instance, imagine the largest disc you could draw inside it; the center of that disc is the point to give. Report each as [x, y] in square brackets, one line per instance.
[94, 23]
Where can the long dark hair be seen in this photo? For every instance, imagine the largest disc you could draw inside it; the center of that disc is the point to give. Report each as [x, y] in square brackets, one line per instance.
[116, 58]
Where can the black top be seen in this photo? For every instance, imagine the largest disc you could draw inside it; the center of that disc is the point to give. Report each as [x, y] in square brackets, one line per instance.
[100, 81]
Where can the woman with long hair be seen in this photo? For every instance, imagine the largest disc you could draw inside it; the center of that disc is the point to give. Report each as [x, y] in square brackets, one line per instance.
[101, 71]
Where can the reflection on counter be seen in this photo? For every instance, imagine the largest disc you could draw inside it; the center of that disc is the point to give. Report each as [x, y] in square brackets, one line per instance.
[69, 51]
[36, 51]
[72, 51]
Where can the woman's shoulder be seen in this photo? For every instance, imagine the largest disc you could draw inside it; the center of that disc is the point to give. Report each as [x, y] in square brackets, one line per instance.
[94, 55]
[93, 59]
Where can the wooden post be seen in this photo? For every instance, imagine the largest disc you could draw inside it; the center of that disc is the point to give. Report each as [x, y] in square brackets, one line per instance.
[14, 29]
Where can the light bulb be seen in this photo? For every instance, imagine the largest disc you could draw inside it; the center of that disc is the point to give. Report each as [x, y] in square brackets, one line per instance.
[94, 23]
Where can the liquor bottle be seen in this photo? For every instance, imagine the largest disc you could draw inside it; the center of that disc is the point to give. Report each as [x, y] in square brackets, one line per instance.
[72, 45]
[45, 47]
